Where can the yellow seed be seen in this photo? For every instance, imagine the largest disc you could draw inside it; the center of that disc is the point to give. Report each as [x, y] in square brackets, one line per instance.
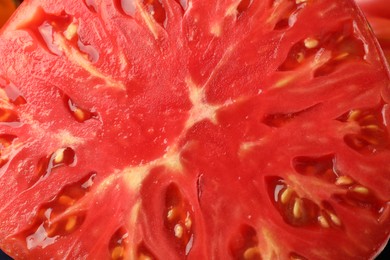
[178, 230]
[284, 81]
[171, 214]
[118, 252]
[70, 31]
[300, 57]
[342, 56]
[344, 180]
[335, 219]
[300, 1]
[251, 253]
[71, 223]
[323, 222]
[298, 208]
[79, 114]
[369, 117]
[4, 115]
[372, 127]
[188, 222]
[144, 257]
[353, 115]
[286, 195]
[59, 156]
[51, 230]
[311, 43]
[361, 190]
[66, 200]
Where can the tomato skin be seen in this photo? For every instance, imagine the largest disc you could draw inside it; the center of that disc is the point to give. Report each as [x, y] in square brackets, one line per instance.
[160, 132]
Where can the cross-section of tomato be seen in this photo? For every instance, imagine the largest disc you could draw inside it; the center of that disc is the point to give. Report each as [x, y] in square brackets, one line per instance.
[169, 129]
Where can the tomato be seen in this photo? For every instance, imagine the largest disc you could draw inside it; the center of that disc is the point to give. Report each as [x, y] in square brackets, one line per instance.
[7, 7]
[378, 14]
[193, 130]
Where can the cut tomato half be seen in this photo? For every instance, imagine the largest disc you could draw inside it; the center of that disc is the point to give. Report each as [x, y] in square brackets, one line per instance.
[191, 129]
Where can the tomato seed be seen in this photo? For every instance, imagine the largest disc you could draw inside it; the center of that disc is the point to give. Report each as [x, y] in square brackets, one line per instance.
[80, 114]
[118, 243]
[188, 221]
[335, 219]
[311, 43]
[8, 116]
[361, 190]
[323, 222]
[178, 230]
[244, 245]
[286, 195]
[6, 140]
[66, 200]
[344, 180]
[143, 253]
[298, 208]
[71, 31]
[117, 252]
[71, 223]
[252, 253]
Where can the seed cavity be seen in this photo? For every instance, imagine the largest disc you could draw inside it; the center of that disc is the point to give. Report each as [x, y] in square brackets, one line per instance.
[342, 46]
[281, 119]
[284, 13]
[371, 135]
[56, 218]
[92, 6]
[6, 141]
[13, 94]
[178, 219]
[156, 9]
[8, 117]
[144, 253]
[125, 7]
[118, 244]
[297, 210]
[243, 7]
[182, 3]
[244, 244]
[322, 167]
[61, 157]
[80, 114]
